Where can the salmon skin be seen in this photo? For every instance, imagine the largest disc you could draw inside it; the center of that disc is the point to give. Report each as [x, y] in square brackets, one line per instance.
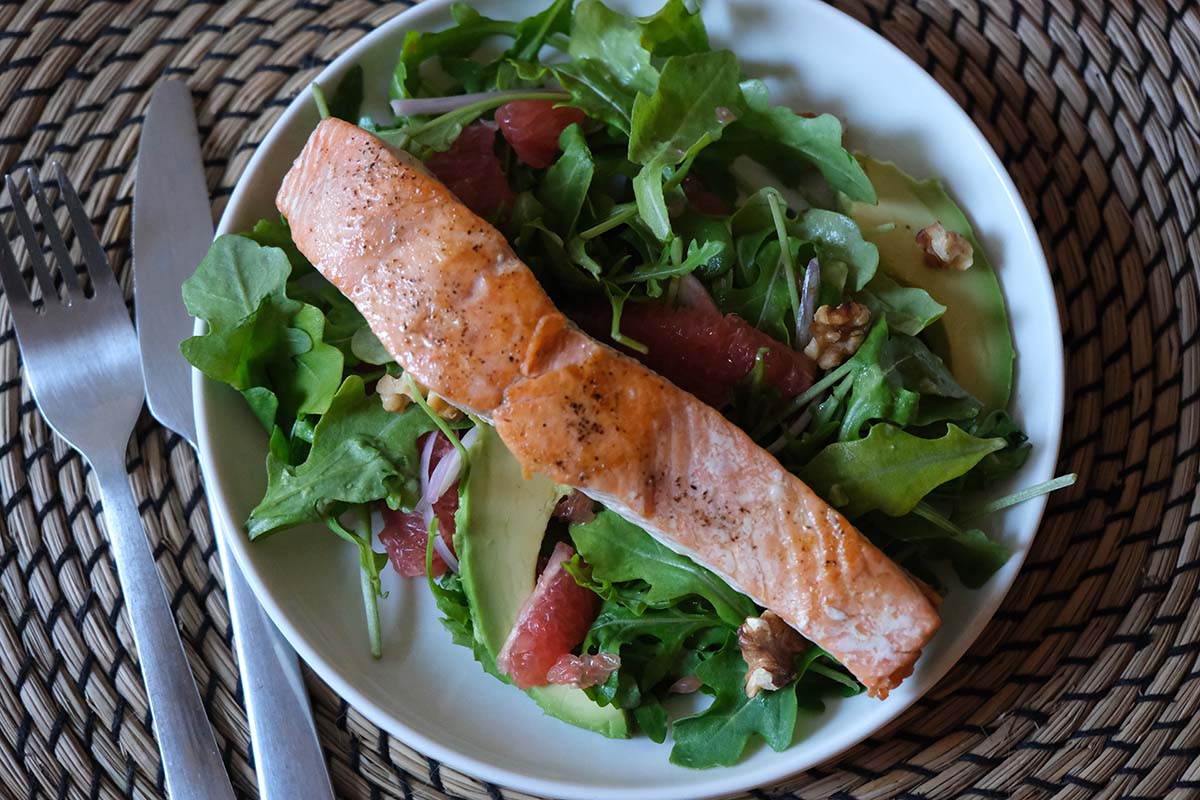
[452, 303]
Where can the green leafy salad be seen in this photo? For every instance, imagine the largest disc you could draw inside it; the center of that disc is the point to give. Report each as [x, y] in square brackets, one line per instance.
[839, 311]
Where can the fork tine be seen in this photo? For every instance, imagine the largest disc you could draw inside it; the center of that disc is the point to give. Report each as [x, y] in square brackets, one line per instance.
[19, 304]
[93, 254]
[33, 245]
[65, 264]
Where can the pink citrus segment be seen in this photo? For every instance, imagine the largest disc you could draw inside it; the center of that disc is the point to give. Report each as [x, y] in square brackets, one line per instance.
[532, 127]
[551, 623]
[405, 534]
[471, 169]
[700, 350]
[585, 670]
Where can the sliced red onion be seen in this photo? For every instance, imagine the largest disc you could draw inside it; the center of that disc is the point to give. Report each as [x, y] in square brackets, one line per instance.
[443, 477]
[416, 106]
[809, 290]
[686, 685]
[426, 458]
[439, 547]
[692, 294]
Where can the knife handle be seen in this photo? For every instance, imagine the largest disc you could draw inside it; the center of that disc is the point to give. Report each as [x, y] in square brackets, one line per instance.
[287, 753]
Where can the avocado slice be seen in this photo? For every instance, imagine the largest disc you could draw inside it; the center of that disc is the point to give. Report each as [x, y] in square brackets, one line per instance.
[972, 337]
[498, 536]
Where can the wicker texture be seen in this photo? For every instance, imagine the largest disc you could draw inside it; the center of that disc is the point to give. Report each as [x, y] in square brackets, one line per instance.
[1085, 684]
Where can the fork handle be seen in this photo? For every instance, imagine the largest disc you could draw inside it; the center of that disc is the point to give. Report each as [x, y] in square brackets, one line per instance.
[191, 763]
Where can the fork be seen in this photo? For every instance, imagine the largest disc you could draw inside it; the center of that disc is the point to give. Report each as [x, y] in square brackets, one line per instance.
[82, 361]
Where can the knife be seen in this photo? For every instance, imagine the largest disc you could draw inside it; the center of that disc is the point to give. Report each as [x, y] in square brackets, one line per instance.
[172, 229]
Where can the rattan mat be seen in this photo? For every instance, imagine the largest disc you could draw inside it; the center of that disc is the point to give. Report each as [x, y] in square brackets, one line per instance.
[1087, 682]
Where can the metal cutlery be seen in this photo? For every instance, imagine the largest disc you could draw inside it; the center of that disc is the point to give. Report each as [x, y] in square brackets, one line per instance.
[172, 229]
[81, 359]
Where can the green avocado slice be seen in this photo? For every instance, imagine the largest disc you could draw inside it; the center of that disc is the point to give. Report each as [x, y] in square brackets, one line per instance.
[498, 534]
[972, 336]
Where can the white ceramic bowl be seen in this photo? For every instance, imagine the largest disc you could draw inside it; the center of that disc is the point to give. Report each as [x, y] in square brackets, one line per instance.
[429, 692]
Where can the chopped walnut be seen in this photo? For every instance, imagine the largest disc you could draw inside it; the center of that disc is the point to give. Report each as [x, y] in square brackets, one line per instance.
[769, 647]
[837, 332]
[945, 249]
[396, 394]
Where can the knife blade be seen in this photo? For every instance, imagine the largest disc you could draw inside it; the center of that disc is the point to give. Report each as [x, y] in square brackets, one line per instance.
[172, 229]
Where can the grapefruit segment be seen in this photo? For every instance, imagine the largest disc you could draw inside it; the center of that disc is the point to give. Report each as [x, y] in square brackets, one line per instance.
[584, 671]
[405, 534]
[532, 127]
[700, 350]
[551, 623]
[471, 169]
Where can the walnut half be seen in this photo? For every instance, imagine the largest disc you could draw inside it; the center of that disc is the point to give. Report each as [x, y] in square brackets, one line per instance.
[769, 646]
[945, 249]
[396, 394]
[837, 332]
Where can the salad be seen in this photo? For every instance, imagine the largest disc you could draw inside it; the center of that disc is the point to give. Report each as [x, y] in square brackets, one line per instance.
[838, 311]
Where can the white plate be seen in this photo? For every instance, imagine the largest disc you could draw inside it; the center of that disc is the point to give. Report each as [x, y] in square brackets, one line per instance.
[430, 693]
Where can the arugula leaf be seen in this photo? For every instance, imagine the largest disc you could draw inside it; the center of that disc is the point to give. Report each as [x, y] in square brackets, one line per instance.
[342, 318]
[908, 309]
[439, 133]
[697, 96]
[369, 564]
[700, 228]
[347, 98]
[891, 470]
[609, 67]
[531, 32]
[1002, 463]
[235, 278]
[974, 556]
[307, 381]
[764, 303]
[368, 349]
[276, 233]
[564, 188]
[753, 215]
[238, 289]
[650, 642]
[360, 453]
[604, 37]
[595, 91]
[673, 30]
[876, 391]
[618, 550]
[719, 735]
[922, 371]
[260, 341]
[837, 238]
[258, 338]
[264, 404]
[685, 107]
[697, 256]
[471, 30]
[818, 140]
[651, 717]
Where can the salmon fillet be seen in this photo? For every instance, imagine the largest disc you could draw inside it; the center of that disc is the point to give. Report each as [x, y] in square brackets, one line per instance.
[448, 298]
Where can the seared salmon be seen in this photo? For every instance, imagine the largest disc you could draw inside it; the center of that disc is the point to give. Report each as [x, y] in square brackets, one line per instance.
[448, 298]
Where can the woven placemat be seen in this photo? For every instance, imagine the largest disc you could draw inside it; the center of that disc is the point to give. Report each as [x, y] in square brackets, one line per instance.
[1086, 683]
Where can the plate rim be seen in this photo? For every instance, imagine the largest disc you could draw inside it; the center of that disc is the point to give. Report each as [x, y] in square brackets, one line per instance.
[722, 782]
